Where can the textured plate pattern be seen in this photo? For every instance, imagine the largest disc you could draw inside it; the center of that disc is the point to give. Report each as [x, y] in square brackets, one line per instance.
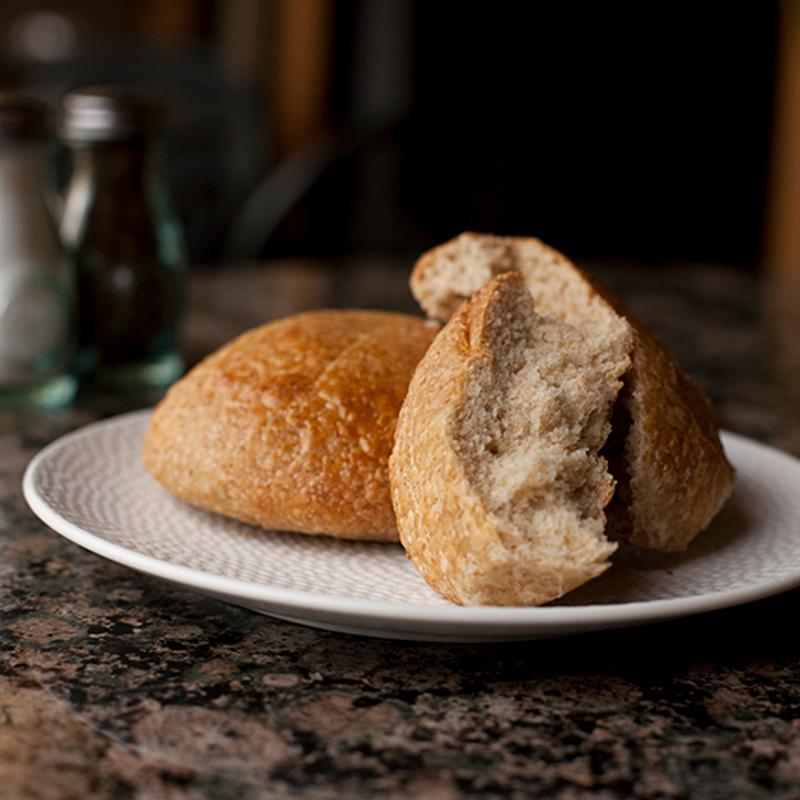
[91, 487]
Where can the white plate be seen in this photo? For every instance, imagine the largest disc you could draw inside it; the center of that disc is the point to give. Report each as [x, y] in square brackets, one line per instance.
[90, 487]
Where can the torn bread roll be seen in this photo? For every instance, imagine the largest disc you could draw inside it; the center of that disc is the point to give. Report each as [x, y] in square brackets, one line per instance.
[290, 426]
[665, 452]
[497, 480]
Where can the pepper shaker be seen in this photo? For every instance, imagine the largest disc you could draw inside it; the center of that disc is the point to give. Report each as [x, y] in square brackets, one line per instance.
[126, 241]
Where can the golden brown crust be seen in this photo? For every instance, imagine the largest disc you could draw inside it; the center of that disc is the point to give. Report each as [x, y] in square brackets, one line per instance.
[679, 477]
[678, 473]
[428, 481]
[290, 426]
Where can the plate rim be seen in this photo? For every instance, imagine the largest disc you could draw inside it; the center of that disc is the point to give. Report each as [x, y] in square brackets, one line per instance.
[373, 612]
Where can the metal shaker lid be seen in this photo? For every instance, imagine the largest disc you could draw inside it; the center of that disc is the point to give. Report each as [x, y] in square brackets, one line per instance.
[110, 113]
[21, 117]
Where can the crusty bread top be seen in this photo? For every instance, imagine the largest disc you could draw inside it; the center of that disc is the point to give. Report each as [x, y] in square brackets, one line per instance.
[290, 426]
[672, 472]
[448, 274]
[497, 481]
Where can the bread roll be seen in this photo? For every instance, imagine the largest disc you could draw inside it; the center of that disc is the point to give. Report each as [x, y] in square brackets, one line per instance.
[497, 481]
[290, 426]
[672, 473]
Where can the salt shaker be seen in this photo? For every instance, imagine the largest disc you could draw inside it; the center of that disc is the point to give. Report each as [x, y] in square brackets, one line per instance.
[36, 278]
[127, 243]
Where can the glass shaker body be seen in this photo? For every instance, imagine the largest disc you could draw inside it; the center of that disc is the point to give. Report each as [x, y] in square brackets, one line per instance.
[128, 248]
[36, 285]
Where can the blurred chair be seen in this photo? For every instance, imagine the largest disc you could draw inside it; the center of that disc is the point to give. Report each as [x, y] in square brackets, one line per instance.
[284, 187]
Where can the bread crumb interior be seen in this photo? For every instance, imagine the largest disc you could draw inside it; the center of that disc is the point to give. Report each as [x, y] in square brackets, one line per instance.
[537, 412]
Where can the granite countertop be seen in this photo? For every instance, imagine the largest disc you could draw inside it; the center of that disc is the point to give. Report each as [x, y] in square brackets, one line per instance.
[113, 684]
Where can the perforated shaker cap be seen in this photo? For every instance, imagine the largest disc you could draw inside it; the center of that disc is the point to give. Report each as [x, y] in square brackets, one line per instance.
[110, 113]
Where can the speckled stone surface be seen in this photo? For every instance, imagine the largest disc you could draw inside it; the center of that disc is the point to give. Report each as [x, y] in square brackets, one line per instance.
[116, 685]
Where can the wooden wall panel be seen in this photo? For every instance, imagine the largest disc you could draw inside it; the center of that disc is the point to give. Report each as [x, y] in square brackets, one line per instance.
[298, 70]
[782, 223]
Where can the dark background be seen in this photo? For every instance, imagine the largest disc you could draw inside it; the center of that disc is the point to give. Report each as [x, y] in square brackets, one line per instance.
[626, 132]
